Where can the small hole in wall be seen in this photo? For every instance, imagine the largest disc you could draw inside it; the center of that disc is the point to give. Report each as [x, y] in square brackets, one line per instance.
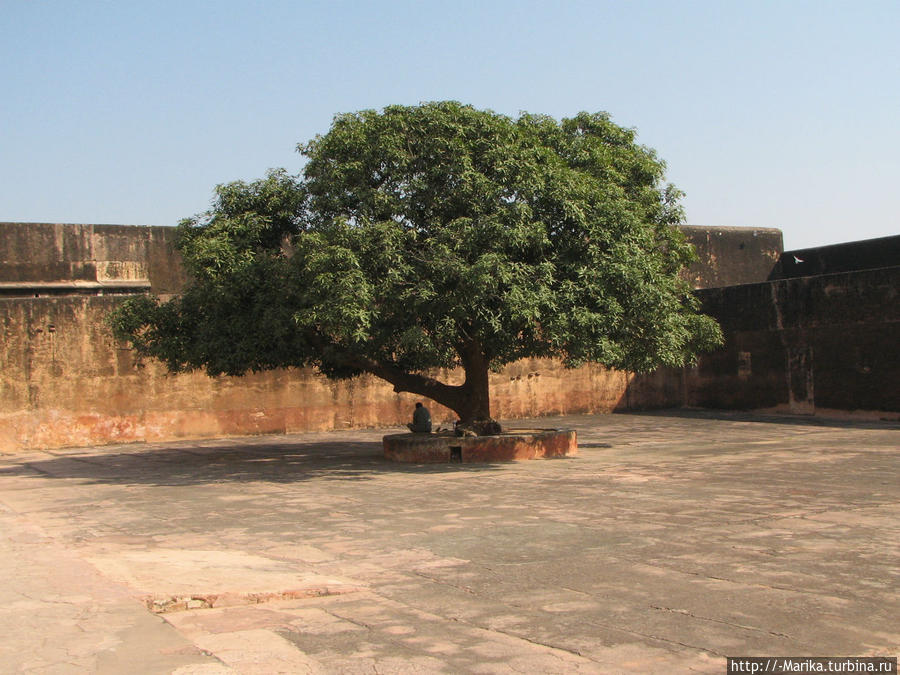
[51, 328]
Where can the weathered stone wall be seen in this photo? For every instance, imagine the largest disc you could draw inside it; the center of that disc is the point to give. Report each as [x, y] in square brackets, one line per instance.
[64, 381]
[867, 254]
[38, 257]
[727, 256]
[35, 254]
[806, 345]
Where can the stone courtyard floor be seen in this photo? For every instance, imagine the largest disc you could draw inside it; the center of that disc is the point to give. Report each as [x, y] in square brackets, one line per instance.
[673, 540]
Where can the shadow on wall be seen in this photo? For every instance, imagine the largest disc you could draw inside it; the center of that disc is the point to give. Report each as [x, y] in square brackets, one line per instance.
[853, 256]
[663, 388]
[805, 344]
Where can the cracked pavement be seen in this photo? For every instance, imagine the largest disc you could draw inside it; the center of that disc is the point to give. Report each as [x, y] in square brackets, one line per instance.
[671, 541]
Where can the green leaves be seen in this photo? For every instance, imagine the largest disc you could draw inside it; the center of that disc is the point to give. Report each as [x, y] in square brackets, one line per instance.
[246, 219]
[417, 232]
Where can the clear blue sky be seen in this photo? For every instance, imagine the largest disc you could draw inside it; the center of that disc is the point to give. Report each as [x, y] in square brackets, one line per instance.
[771, 114]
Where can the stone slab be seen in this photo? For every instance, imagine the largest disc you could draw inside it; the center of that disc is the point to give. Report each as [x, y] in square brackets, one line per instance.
[670, 542]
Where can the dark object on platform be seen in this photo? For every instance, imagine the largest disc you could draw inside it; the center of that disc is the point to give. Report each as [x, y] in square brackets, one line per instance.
[480, 428]
[421, 423]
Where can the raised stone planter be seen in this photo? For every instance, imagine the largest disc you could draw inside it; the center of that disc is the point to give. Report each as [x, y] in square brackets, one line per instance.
[515, 444]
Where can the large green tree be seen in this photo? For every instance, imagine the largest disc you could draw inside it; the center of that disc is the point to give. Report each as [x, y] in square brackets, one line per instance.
[436, 236]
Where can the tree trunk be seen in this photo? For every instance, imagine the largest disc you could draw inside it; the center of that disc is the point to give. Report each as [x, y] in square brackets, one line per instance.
[470, 400]
[475, 405]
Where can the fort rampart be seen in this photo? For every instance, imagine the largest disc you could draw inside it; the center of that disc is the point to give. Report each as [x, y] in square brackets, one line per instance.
[64, 381]
[822, 336]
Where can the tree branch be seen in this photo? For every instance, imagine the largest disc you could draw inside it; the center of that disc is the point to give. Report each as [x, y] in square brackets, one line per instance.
[448, 395]
[404, 381]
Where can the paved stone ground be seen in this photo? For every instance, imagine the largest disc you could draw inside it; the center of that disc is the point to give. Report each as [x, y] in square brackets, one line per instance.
[671, 541]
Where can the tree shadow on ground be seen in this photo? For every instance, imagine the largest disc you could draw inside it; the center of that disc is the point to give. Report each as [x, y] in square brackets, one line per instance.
[274, 462]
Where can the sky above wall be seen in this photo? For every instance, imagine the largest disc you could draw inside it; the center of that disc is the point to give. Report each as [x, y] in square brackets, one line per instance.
[768, 113]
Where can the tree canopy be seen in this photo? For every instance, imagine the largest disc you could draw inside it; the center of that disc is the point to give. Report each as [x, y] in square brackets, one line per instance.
[436, 236]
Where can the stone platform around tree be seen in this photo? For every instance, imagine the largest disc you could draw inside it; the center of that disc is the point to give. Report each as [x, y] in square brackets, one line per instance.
[513, 444]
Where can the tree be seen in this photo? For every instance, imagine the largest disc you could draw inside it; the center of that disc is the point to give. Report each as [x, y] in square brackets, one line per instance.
[436, 236]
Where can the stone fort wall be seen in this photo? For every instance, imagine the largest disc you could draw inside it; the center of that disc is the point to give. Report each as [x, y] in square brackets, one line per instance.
[821, 337]
[64, 381]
